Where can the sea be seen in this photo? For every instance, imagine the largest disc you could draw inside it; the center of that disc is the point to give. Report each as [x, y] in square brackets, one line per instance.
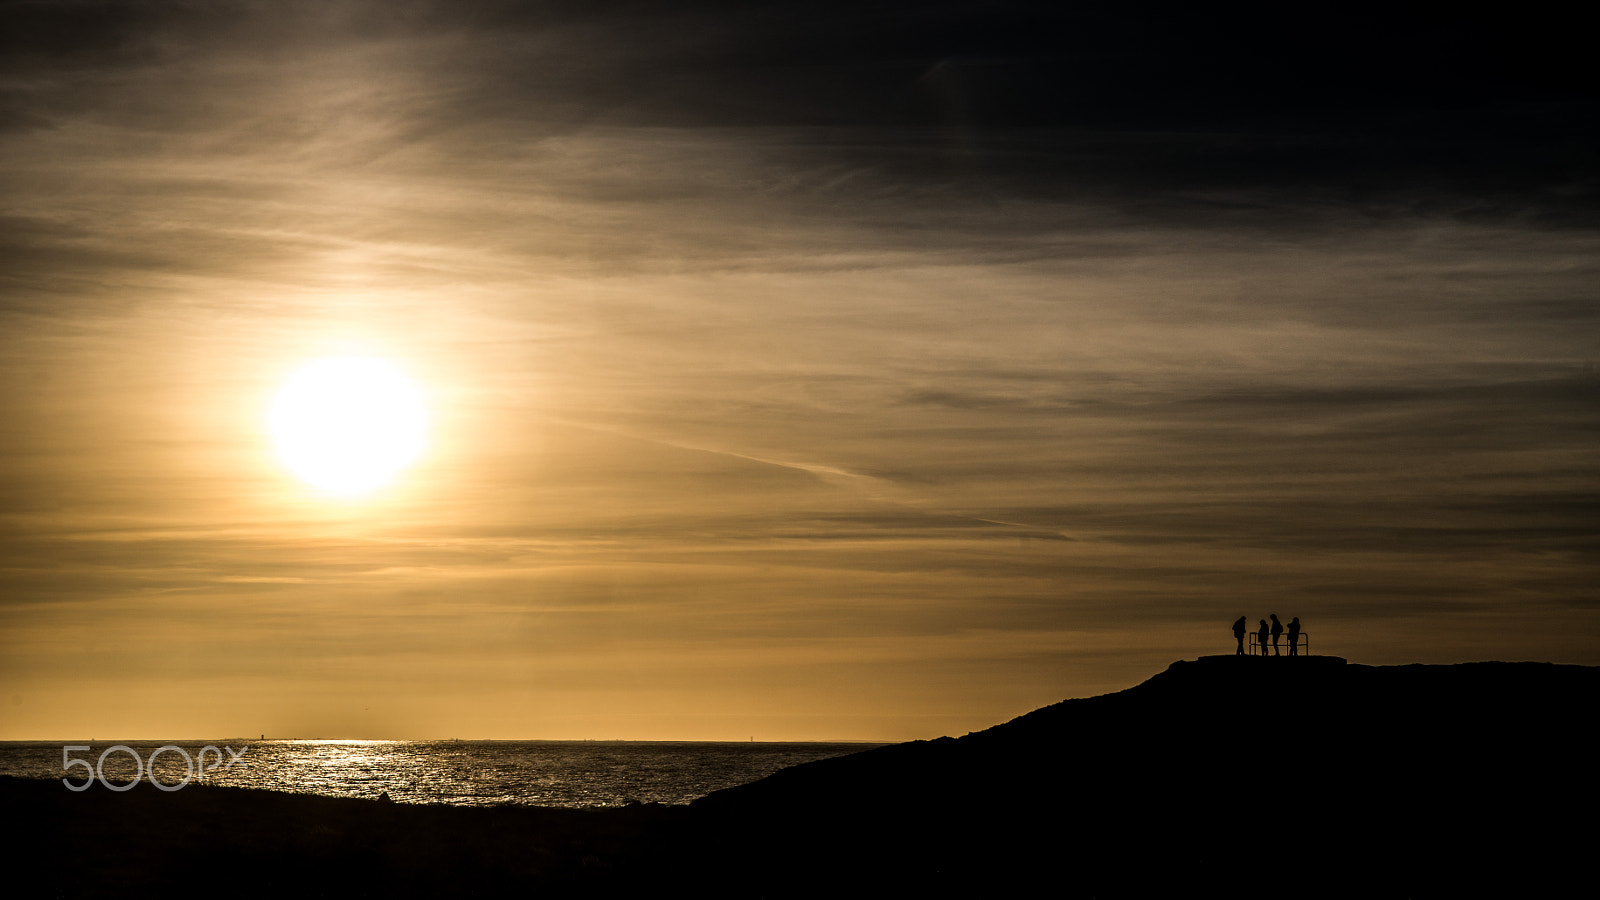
[455, 772]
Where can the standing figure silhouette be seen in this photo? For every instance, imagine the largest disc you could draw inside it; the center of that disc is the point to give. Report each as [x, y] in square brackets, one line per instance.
[1277, 629]
[1239, 628]
[1294, 636]
[1261, 638]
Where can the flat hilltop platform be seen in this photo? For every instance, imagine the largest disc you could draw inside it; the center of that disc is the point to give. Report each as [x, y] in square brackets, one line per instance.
[1235, 659]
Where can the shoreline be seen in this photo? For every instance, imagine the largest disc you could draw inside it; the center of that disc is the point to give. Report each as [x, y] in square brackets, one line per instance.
[1371, 781]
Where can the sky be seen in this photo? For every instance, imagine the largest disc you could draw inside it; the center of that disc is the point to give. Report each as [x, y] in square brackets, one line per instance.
[793, 371]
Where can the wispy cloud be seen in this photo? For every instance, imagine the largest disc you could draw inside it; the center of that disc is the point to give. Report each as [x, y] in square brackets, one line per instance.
[918, 368]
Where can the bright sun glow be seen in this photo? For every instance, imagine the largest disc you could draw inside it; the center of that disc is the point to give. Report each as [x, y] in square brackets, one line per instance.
[348, 425]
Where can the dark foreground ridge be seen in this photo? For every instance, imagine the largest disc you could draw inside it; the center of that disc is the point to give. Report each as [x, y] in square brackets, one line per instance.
[1227, 774]
[1304, 776]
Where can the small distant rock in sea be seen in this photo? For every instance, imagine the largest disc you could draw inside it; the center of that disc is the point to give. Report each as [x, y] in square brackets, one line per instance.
[385, 798]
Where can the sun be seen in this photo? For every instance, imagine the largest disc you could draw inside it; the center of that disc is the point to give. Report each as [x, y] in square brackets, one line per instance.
[348, 425]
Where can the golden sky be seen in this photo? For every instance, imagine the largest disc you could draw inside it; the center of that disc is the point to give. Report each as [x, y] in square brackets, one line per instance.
[796, 372]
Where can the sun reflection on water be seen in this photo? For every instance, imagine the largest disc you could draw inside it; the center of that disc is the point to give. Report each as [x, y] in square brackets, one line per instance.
[463, 773]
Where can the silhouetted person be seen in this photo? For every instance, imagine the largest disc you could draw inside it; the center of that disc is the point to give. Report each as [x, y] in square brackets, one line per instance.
[1277, 629]
[1294, 636]
[1239, 629]
[1261, 637]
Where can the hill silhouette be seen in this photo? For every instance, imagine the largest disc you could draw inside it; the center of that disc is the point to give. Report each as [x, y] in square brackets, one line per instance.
[1307, 776]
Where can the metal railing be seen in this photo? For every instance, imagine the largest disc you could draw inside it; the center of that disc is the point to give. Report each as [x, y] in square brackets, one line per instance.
[1254, 648]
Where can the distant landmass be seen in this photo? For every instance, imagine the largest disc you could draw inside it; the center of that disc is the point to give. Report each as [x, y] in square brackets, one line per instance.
[1303, 776]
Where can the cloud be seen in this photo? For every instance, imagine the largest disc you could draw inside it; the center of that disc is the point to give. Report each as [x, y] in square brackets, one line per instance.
[994, 344]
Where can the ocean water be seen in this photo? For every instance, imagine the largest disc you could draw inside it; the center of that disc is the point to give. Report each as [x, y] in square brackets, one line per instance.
[463, 773]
